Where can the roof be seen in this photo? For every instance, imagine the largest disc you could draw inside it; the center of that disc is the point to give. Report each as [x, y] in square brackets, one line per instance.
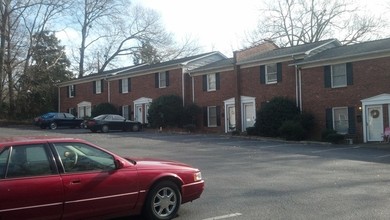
[360, 50]
[219, 65]
[305, 49]
[136, 69]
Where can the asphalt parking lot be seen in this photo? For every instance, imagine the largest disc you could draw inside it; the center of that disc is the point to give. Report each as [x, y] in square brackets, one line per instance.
[261, 178]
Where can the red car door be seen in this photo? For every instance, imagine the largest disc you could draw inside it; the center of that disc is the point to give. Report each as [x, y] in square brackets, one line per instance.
[93, 186]
[103, 193]
[30, 187]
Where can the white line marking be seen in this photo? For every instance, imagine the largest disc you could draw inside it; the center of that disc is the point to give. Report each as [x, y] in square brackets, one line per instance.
[335, 149]
[224, 216]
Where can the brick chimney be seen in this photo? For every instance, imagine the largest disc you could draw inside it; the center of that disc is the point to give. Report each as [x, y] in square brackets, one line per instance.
[264, 46]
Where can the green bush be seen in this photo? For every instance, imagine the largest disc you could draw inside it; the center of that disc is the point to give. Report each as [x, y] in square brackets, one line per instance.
[166, 111]
[104, 108]
[332, 136]
[292, 130]
[273, 114]
[251, 131]
[191, 113]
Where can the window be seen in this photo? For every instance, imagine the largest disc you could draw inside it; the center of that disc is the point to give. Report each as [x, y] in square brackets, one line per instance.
[340, 120]
[271, 73]
[71, 91]
[72, 111]
[212, 116]
[125, 112]
[211, 82]
[3, 162]
[78, 157]
[29, 160]
[98, 87]
[162, 80]
[339, 75]
[124, 85]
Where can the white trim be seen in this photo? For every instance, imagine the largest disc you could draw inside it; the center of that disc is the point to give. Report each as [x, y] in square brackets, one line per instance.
[227, 103]
[247, 100]
[375, 100]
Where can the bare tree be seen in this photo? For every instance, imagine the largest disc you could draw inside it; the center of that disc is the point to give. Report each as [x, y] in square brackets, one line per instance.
[20, 19]
[114, 30]
[294, 22]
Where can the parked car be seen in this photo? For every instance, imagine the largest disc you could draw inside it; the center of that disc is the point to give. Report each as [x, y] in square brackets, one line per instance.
[107, 122]
[67, 178]
[53, 120]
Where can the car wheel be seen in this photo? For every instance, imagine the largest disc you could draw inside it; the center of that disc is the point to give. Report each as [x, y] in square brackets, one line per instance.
[163, 201]
[105, 128]
[53, 125]
[135, 127]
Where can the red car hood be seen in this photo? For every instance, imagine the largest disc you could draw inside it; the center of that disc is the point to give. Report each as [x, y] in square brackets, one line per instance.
[152, 163]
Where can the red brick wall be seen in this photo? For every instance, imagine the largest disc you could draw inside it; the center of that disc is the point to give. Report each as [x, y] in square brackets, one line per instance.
[144, 86]
[251, 86]
[370, 78]
[84, 92]
[215, 98]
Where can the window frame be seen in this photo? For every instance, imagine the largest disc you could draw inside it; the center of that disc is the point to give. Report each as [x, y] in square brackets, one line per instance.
[125, 85]
[162, 79]
[211, 82]
[98, 87]
[268, 73]
[212, 118]
[71, 91]
[343, 74]
[339, 121]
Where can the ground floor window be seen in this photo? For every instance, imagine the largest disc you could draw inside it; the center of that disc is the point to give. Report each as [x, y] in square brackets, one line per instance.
[340, 120]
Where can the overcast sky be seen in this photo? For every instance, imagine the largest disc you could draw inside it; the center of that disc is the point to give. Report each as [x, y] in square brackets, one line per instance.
[221, 24]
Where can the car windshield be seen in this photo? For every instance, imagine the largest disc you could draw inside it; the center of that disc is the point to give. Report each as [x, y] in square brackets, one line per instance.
[100, 117]
[48, 115]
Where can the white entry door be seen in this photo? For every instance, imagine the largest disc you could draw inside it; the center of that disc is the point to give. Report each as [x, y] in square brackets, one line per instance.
[249, 115]
[231, 118]
[139, 113]
[374, 123]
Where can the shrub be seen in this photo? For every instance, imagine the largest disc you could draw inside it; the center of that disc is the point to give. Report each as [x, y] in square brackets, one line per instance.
[191, 113]
[292, 130]
[104, 108]
[165, 111]
[332, 136]
[251, 131]
[273, 114]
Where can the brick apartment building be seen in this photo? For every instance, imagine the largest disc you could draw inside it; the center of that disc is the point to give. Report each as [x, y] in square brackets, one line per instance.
[346, 88]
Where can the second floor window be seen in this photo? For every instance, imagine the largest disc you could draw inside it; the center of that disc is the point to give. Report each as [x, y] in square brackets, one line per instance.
[211, 82]
[124, 85]
[98, 87]
[71, 91]
[162, 79]
[339, 75]
[271, 73]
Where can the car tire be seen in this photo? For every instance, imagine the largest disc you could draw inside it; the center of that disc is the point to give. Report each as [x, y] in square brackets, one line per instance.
[135, 127]
[105, 129]
[53, 126]
[163, 201]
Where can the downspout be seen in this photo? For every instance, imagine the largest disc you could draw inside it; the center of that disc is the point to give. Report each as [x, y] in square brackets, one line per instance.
[238, 114]
[300, 89]
[109, 91]
[182, 85]
[193, 89]
[59, 99]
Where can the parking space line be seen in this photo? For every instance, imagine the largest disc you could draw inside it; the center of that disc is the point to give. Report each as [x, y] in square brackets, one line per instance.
[223, 216]
[335, 149]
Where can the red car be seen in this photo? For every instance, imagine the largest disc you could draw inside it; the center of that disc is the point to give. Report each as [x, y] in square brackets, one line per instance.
[66, 178]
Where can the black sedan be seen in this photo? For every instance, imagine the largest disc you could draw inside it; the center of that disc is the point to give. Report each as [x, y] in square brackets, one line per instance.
[105, 123]
[53, 120]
